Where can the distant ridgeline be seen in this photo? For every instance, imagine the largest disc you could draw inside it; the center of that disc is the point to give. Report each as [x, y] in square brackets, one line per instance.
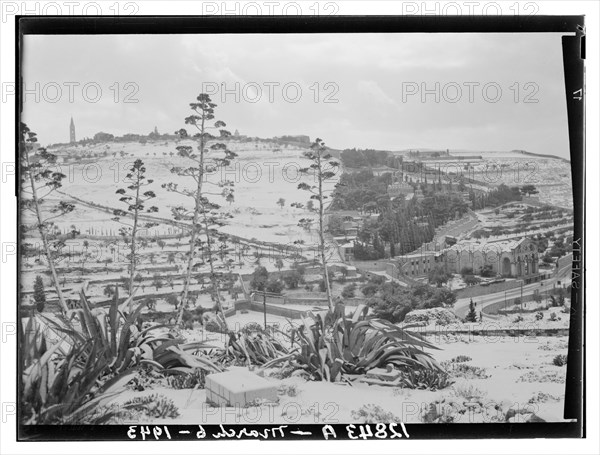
[102, 137]
[299, 140]
[541, 155]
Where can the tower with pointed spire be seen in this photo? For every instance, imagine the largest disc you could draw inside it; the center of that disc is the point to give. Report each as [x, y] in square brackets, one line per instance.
[72, 131]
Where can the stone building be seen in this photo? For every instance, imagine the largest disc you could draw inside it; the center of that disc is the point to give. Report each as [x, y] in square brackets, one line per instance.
[414, 265]
[509, 258]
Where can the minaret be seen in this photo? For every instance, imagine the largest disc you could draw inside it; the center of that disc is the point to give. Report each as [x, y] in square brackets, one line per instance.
[72, 131]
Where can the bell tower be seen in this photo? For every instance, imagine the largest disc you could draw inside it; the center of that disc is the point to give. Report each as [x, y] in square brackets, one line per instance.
[72, 132]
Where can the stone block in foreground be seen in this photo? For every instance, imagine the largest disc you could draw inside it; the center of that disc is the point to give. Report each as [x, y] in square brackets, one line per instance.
[238, 387]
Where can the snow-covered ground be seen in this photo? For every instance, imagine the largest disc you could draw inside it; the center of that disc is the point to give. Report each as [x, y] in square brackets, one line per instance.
[519, 375]
[261, 178]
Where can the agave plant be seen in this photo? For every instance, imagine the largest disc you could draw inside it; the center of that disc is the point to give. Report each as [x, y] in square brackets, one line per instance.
[252, 346]
[61, 384]
[94, 352]
[332, 345]
[126, 345]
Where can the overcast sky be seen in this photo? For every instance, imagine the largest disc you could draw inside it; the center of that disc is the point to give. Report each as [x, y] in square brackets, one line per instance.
[372, 77]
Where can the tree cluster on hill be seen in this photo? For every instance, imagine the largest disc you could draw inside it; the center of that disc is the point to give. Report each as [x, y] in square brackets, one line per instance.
[103, 137]
[561, 247]
[287, 138]
[402, 228]
[392, 301]
[443, 207]
[356, 158]
[357, 190]
[499, 196]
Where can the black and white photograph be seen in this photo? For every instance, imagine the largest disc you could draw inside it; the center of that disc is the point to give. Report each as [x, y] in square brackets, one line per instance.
[268, 228]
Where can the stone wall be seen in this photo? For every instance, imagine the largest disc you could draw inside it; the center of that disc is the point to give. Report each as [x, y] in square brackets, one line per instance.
[308, 299]
[269, 299]
[271, 309]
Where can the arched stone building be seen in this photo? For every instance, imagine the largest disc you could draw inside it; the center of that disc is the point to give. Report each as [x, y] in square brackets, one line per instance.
[516, 258]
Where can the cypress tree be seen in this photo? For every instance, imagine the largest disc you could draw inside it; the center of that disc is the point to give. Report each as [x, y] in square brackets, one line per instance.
[39, 294]
[472, 314]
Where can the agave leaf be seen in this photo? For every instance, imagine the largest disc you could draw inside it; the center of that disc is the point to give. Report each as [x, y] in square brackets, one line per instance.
[336, 371]
[178, 371]
[92, 356]
[75, 416]
[66, 329]
[35, 369]
[154, 327]
[125, 307]
[403, 336]
[60, 381]
[88, 381]
[87, 314]
[117, 382]
[166, 345]
[357, 331]
[123, 346]
[126, 361]
[49, 412]
[194, 345]
[421, 360]
[361, 311]
[147, 352]
[82, 380]
[153, 363]
[323, 360]
[371, 343]
[154, 341]
[428, 361]
[308, 333]
[279, 360]
[103, 330]
[113, 316]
